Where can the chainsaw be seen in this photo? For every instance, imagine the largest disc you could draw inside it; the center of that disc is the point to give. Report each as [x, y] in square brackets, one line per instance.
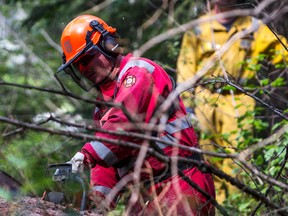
[67, 187]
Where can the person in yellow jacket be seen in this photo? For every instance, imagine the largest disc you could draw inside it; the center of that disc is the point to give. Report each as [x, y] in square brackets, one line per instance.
[217, 108]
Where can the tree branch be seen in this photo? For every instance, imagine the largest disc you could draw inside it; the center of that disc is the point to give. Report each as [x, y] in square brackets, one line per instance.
[202, 165]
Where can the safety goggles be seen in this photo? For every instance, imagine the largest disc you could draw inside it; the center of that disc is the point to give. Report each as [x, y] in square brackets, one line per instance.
[87, 57]
[83, 58]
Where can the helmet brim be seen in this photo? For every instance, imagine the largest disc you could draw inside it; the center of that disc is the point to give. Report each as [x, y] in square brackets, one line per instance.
[67, 64]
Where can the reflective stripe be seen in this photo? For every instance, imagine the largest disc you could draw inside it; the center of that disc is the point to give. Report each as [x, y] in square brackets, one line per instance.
[177, 125]
[166, 138]
[124, 170]
[138, 63]
[104, 153]
[101, 189]
[96, 109]
[174, 127]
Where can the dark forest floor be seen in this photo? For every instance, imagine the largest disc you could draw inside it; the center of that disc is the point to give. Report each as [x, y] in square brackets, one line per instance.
[33, 206]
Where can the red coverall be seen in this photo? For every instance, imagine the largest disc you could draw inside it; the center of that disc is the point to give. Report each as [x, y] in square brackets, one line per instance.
[141, 86]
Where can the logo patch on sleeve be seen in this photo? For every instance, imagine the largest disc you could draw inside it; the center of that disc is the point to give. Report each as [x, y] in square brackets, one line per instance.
[129, 81]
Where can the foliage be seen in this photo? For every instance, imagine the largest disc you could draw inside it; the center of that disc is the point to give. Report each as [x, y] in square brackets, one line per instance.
[272, 158]
[27, 58]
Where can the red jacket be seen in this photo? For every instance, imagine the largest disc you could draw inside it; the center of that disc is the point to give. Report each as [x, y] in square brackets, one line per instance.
[141, 87]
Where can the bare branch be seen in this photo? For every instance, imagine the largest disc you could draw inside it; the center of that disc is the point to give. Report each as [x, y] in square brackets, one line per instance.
[50, 41]
[202, 165]
[98, 7]
[26, 49]
[278, 175]
[246, 153]
[172, 32]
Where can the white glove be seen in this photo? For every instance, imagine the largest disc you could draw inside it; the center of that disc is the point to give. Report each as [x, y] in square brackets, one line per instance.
[77, 162]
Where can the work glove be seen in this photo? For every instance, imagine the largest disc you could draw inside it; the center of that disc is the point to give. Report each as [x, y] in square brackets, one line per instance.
[77, 162]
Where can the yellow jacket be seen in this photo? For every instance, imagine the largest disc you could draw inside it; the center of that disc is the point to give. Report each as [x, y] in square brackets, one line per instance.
[217, 115]
[201, 43]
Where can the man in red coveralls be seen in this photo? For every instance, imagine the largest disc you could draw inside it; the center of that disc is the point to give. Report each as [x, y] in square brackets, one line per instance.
[91, 51]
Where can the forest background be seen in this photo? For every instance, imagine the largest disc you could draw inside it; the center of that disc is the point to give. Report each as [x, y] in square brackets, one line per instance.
[38, 120]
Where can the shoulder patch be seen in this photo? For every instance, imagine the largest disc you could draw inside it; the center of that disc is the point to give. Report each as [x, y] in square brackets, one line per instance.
[129, 81]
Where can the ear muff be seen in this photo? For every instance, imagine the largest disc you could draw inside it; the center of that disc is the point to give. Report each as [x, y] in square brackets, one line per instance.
[110, 44]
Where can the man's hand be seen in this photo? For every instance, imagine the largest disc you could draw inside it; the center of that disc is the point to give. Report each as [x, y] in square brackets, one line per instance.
[77, 162]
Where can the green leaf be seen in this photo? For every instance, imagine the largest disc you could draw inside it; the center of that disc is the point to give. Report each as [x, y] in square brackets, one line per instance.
[243, 206]
[262, 56]
[277, 125]
[259, 160]
[228, 87]
[278, 66]
[278, 82]
[264, 82]
[260, 124]
[270, 152]
[278, 189]
[273, 170]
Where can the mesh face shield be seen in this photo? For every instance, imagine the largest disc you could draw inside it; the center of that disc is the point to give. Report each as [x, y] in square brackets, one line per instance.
[72, 69]
[73, 72]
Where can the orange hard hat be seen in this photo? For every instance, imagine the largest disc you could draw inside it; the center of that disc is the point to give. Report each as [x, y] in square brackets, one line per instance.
[74, 37]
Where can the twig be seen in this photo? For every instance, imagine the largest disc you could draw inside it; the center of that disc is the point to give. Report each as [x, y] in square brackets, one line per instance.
[98, 7]
[201, 165]
[50, 41]
[277, 176]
